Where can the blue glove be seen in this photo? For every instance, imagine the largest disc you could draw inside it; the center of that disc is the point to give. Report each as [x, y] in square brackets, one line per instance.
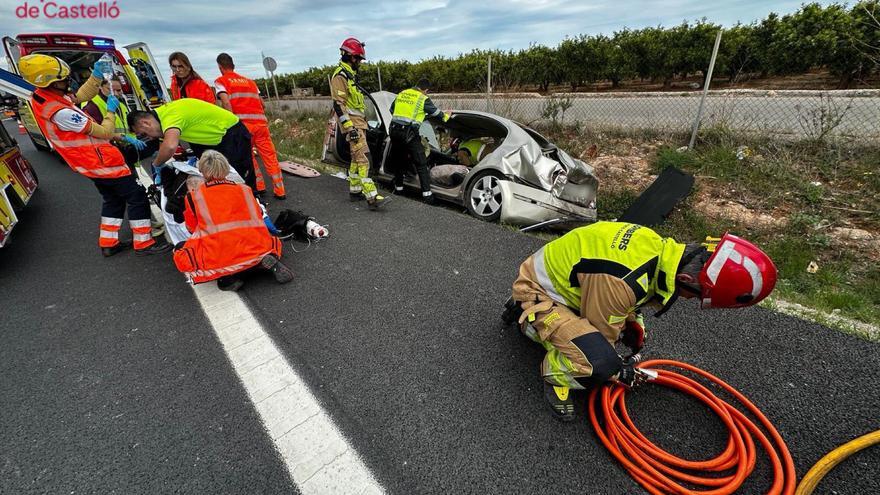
[137, 143]
[271, 226]
[112, 104]
[157, 176]
[97, 70]
[193, 162]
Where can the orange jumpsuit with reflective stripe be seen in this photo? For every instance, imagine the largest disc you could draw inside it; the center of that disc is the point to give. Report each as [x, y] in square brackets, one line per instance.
[229, 235]
[248, 106]
[92, 157]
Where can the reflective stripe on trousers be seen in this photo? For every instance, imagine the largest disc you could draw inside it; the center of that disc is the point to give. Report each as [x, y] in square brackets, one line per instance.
[109, 233]
[141, 234]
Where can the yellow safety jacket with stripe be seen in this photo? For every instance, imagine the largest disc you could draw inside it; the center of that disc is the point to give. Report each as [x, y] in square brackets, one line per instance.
[121, 114]
[354, 100]
[637, 255]
[411, 107]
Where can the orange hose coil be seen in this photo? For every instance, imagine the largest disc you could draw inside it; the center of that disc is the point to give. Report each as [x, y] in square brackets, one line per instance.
[660, 472]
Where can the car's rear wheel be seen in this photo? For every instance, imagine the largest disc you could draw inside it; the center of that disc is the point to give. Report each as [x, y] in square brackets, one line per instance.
[483, 196]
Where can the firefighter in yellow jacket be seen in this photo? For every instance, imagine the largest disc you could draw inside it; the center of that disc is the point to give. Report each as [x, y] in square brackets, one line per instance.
[348, 103]
[581, 294]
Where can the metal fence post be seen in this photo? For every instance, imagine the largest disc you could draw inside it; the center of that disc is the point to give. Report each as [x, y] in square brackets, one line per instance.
[379, 74]
[489, 84]
[705, 91]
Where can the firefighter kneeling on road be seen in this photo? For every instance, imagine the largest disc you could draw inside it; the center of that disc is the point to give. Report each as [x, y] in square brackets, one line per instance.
[410, 108]
[348, 103]
[229, 234]
[85, 146]
[580, 294]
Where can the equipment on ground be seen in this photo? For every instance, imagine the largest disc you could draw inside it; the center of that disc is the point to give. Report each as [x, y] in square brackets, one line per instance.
[660, 472]
[657, 202]
[833, 458]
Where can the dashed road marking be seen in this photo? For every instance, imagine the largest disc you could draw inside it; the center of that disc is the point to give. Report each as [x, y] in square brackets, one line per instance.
[318, 457]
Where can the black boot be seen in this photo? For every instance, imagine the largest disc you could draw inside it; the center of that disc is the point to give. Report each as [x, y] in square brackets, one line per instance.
[279, 270]
[377, 202]
[230, 283]
[157, 248]
[110, 251]
[560, 402]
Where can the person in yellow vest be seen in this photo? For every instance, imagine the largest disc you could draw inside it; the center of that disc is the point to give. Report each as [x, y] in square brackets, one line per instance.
[84, 144]
[132, 148]
[348, 103]
[408, 110]
[471, 151]
[204, 126]
[241, 96]
[582, 293]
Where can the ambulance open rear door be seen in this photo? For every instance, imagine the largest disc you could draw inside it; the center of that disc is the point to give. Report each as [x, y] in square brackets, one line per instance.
[151, 81]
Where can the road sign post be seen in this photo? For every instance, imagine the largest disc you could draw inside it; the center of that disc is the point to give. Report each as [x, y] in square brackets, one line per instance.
[270, 65]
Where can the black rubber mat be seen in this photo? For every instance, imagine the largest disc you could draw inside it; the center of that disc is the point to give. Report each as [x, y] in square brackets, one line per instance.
[658, 200]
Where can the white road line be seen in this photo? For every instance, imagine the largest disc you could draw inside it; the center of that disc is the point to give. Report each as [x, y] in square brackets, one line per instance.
[318, 457]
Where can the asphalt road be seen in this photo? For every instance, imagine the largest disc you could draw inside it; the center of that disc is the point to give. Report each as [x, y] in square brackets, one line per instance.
[112, 380]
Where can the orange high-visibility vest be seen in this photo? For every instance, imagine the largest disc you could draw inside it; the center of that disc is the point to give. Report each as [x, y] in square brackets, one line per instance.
[230, 235]
[244, 97]
[93, 157]
[195, 88]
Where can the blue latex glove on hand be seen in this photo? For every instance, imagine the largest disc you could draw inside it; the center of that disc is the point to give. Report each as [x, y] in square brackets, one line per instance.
[193, 162]
[137, 143]
[97, 70]
[112, 104]
[157, 176]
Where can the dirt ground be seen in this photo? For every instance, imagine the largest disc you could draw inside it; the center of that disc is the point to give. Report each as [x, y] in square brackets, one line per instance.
[627, 165]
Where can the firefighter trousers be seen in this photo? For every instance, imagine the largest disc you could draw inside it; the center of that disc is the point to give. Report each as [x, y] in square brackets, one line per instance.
[359, 180]
[568, 340]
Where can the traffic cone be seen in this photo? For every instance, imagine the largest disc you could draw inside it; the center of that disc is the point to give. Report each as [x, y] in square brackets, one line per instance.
[21, 129]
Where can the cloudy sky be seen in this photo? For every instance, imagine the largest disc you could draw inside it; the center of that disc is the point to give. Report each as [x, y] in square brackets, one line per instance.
[304, 33]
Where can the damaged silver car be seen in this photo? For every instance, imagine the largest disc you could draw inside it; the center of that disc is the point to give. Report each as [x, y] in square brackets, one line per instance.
[496, 168]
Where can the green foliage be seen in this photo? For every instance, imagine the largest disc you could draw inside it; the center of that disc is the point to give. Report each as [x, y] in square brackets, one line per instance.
[845, 41]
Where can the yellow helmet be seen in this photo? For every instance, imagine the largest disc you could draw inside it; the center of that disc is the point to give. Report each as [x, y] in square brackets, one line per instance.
[42, 70]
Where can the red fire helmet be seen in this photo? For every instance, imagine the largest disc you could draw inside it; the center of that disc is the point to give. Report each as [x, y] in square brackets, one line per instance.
[354, 48]
[738, 274]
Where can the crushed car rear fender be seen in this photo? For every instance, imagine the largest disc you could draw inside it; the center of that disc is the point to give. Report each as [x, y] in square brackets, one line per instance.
[526, 205]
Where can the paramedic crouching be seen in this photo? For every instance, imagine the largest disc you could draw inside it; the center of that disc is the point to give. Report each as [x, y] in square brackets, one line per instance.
[204, 126]
[229, 235]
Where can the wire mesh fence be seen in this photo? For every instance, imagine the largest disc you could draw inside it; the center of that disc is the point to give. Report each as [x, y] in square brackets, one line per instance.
[793, 114]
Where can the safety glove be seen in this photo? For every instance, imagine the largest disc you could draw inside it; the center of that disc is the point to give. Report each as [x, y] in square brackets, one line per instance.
[634, 334]
[137, 143]
[112, 104]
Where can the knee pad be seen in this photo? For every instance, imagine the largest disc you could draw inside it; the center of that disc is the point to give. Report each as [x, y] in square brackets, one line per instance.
[601, 355]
